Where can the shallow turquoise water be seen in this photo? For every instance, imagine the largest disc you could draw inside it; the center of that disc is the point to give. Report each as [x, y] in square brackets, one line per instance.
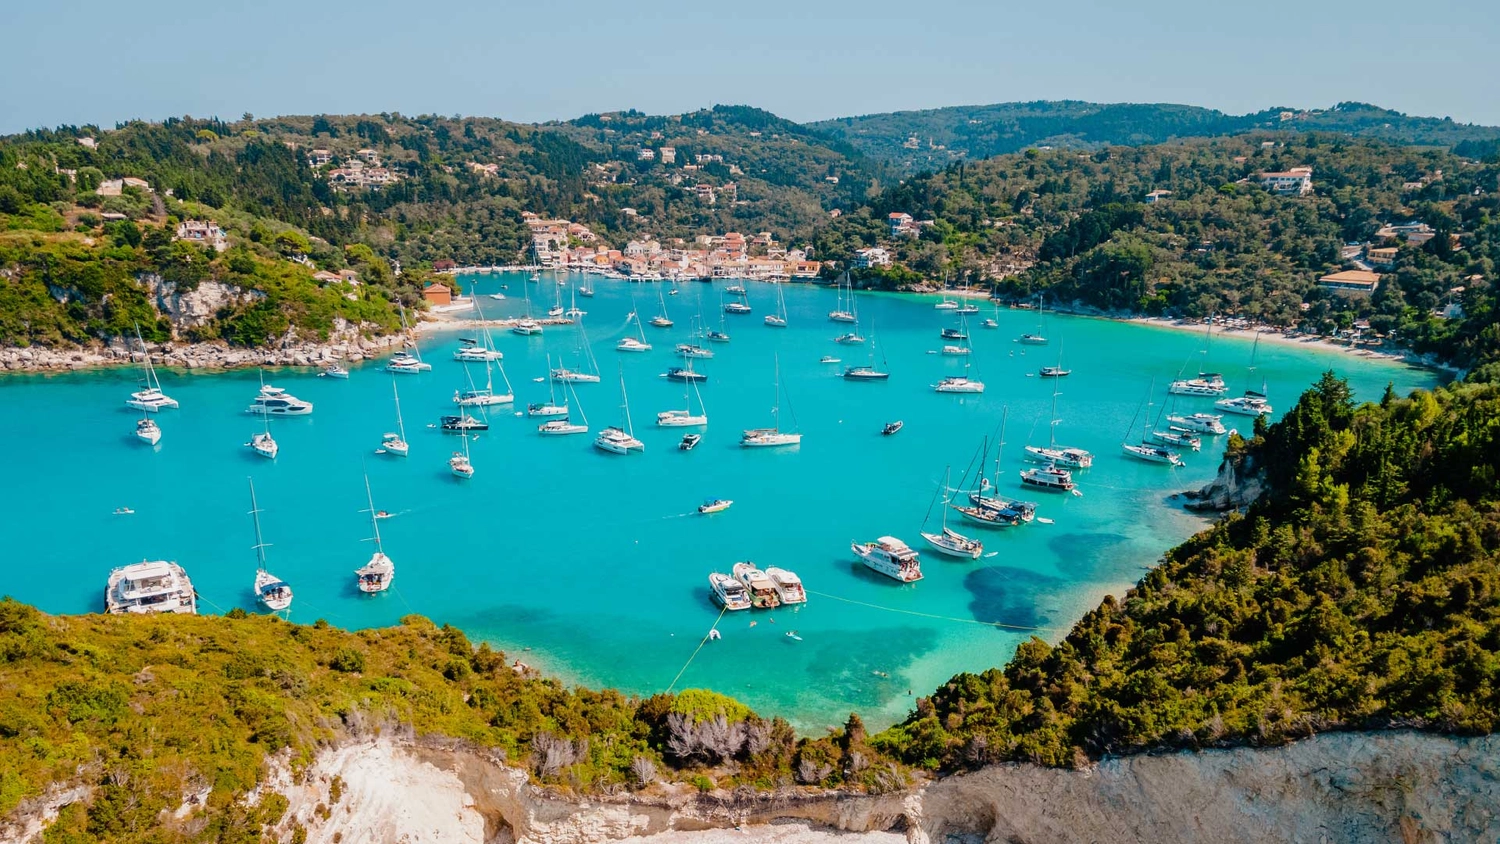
[591, 561]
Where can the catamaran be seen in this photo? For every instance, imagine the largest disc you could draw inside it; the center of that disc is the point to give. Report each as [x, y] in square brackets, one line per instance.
[147, 431]
[574, 312]
[1253, 402]
[269, 589]
[395, 442]
[150, 398]
[150, 587]
[778, 319]
[1207, 384]
[950, 542]
[685, 418]
[617, 440]
[478, 349]
[460, 463]
[773, 436]
[380, 571]
[840, 312]
[891, 557]
[404, 362]
[565, 425]
[728, 592]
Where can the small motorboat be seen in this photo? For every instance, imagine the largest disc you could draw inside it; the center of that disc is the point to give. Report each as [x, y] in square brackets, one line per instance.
[829, 359]
[382, 514]
[498, 296]
[1055, 372]
[689, 441]
[718, 336]
[126, 511]
[678, 373]
[334, 370]
[714, 505]
[892, 427]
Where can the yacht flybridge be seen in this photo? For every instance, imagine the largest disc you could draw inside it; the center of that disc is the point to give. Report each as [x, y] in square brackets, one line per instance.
[760, 588]
[149, 398]
[788, 585]
[380, 571]
[150, 587]
[773, 436]
[274, 401]
[891, 557]
[728, 592]
[274, 594]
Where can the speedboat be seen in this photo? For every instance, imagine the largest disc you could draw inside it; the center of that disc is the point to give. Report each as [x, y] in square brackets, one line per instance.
[147, 431]
[1176, 438]
[829, 359]
[728, 592]
[738, 308]
[955, 351]
[1073, 458]
[954, 544]
[1151, 454]
[967, 309]
[688, 350]
[546, 410]
[617, 441]
[460, 465]
[274, 401]
[689, 441]
[560, 427]
[865, 373]
[150, 587]
[123, 511]
[989, 323]
[953, 334]
[630, 344]
[768, 438]
[678, 373]
[1206, 385]
[264, 445]
[463, 422]
[850, 339]
[1055, 372]
[714, 505]
[762, 591]
[1199, 423]
[718, 337]
[891, 557]
[661, 322]
[526, 328]
[1033, 340]
[334, 370]
[958, 384]
[392, 443]
[376, 575]
[1050, 478]
[788, 585]
[271, 591]
[892, 427]
[151, 400]
[1250, 404]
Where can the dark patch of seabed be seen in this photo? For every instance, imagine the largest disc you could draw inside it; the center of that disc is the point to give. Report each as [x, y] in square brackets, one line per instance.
[1011, 596]
[1092, 556]
[865, 668]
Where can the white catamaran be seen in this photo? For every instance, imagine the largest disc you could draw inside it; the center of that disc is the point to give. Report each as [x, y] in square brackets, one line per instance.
[150, 398]
[617, 440]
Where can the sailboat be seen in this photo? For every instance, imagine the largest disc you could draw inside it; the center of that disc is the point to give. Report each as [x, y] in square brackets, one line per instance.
[1052, 453]
[1207, 384]
[1037, 339]
[868, 372]
[573, 311]
[778, 319]
[395, 442]
[1146, 451]
[460, 464]
[262, 442]
[773, 436]
[685, 418]
[843, 312]
[721, 335]
[950, 542]
[741, 305]
[986, 507]
[404, 362]
[638, 343]
[591, 374]
[565, 425]
[149, 399]
[480, 349]
[380, 571]
[959, 383]
[661, 320]
[485, 396]
[557, 309]
[617, 440]
[1253, 402]
[526, 326]
[147, 431]
[269, 589]
[550, 407]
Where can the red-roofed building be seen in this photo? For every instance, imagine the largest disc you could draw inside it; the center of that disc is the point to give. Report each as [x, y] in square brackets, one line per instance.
[438, 294]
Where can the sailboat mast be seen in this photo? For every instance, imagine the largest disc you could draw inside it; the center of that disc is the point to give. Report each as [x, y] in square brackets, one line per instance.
[260, 544]
[396, 394]
[625, 399]
[374, 522]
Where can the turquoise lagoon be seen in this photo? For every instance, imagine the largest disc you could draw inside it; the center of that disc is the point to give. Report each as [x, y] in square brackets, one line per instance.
[593, 566]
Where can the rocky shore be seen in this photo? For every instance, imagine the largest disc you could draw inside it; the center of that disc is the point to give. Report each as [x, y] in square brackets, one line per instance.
[348, 347]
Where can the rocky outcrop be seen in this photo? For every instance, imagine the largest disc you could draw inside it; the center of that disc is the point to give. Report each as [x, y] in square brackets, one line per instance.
[196, 307]
[1337, 787]
[347, 344]
[1241, 480]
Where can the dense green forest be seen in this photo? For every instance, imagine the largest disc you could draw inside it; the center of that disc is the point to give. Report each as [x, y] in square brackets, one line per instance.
[913, 141]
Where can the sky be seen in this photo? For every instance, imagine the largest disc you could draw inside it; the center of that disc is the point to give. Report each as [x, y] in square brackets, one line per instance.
[90, 61]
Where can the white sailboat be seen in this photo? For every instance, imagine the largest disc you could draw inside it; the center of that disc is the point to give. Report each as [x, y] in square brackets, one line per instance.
[868, 372]
[565, 425]
[269, 589]
[590, 373]
[1037, 339]
[149, 399]
[1145, 451]
[380, 571]
[147, 431]
[959, 383]
[661, 320]
[526, 326]
[485, 396]
[950, 542]
[637, 343]
[482, 348]
[262, 443]
[778, 319]
[1052, 453]
[843, 312]
[773, 436]
[685, 418]
[574, 312]
[617, 440]
[395, 442]
[1206, 384]
[1253, 402]
[404, 362]
[460, 463]
[550, 407]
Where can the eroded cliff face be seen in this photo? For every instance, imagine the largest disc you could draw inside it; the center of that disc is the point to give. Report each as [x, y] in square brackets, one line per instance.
[1240, 481]
[1340, 787]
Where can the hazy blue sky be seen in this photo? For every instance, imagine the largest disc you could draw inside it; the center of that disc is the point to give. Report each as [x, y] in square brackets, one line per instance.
[81, 61]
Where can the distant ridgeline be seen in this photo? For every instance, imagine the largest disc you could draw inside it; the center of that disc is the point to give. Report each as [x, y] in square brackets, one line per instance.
[1361, 592]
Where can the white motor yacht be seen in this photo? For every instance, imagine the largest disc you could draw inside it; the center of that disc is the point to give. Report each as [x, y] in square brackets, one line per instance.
[714, 505]
[1251, 403]
[1175, 438]
[728, 592]
[1050, 478]
[274, 401]
[788, 585]
[147, 431]
[1199, 423]
[1151, 454]
[891, 557]
[631, 344]
[150, 587]
[955, 351]
[762, 591]
[958, 384]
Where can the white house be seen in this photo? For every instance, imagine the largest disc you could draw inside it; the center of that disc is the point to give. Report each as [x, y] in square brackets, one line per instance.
[203, 232]
[645, 154]
[901, 224]
[668, 155]
[872, 257]
[1294, 182]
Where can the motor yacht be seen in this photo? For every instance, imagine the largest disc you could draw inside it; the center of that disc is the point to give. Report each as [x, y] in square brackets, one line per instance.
[728, 592]
[274, 401]
[1199, 423]
[788, 585]
[958, 384]
[714, 505]
[150, 587]
[762, 591]
[891, 557]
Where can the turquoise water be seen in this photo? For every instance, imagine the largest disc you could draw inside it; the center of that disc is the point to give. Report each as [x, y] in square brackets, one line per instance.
[594, 566]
